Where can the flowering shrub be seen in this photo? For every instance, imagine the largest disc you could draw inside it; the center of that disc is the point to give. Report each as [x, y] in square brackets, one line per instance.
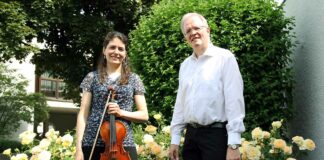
[152, 142]
[264, 145]
[53, 147]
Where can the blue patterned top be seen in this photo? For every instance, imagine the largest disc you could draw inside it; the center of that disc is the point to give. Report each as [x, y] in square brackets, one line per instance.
[124, 97]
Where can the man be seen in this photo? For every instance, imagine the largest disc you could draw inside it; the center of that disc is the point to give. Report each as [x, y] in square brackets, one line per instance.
[210, 103]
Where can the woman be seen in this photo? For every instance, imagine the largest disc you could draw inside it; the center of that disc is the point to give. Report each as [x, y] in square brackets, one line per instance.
[113, 70]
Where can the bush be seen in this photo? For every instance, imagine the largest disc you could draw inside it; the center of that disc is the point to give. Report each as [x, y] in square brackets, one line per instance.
[264, 145]
[256, 31]
[152, 142]
[5, 144]
[53, 147]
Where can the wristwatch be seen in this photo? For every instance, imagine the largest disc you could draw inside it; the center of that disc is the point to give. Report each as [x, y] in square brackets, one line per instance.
[234, 146]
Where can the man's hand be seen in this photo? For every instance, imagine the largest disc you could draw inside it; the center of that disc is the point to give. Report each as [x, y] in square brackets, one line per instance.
[233, 154]
[174, 152]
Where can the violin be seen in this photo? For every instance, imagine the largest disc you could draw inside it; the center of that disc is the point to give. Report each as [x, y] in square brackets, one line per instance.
[112, 133]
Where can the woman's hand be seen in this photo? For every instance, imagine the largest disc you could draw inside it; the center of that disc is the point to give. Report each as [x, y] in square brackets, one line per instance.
[113, 108]
[140, 115]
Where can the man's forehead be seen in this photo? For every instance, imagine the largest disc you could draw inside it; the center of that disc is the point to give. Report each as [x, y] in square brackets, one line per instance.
[193, 20]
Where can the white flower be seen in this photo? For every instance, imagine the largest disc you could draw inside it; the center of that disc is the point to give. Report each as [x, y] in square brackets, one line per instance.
[148, 139]
[308, 144]
[44, 143]
[52, 134]
[151, 129]
[36, 150]
[7, 152]
[266, 134]
[157, 116]
[288, 150]
[279, 144]
[276, 124]
[20, 157]
[298, 140]
[253, 153]
[166, 129]
[141, 150]
[58, 140]
[257, 133]
[67, 140]
[27, 137]
[44, 155]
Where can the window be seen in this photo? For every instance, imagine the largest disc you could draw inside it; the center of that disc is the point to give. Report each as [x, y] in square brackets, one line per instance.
[50, 87]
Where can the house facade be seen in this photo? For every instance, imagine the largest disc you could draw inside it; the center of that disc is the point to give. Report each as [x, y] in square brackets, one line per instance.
[62, 114]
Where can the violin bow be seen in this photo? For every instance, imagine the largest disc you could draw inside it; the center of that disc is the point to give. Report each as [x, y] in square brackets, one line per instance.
[110, 89]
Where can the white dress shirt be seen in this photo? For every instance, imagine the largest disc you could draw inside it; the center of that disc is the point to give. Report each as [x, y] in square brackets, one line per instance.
[210, 90]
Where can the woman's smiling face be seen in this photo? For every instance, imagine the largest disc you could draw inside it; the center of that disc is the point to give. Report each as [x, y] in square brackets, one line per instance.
[115, 51]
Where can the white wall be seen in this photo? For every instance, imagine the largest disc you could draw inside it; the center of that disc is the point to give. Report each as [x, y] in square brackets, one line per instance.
[27, 70]
[309, 72]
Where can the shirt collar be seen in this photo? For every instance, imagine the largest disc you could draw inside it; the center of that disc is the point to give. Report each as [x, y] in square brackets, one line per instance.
[208, 52]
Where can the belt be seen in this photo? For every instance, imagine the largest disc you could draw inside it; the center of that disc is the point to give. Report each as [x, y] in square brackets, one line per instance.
[213, 125]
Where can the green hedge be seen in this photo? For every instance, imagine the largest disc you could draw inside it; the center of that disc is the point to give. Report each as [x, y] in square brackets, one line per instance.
[256, 31]
[5, 144]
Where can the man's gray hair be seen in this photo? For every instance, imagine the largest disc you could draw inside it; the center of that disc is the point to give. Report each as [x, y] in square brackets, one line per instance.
[189, 15]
